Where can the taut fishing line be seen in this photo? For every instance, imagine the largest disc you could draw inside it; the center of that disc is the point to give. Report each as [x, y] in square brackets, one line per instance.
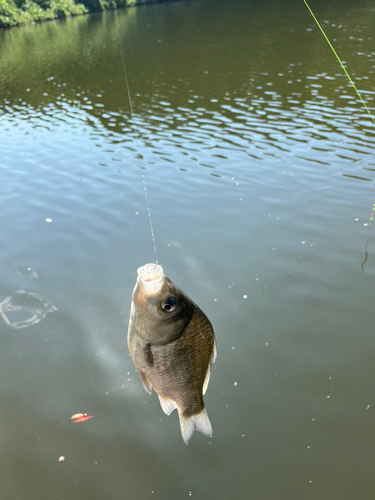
[136, 147]
[364, 104]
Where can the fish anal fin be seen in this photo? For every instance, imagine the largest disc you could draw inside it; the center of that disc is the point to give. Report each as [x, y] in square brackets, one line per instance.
[167, 405]
[199, 422]
[145, 381]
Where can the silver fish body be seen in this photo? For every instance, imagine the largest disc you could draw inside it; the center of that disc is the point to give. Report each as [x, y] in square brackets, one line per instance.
[172, 345]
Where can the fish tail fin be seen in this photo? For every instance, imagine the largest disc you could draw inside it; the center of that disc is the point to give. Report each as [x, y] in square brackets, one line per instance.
[199, 422]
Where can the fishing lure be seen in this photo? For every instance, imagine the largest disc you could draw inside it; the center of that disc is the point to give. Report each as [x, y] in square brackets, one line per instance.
[80, 417]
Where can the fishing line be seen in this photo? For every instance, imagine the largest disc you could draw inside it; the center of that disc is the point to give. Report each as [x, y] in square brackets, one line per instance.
[339, 60]
[364, 104]
[136, 147]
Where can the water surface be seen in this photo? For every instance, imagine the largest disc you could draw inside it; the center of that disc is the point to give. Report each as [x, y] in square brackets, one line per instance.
[259, 165]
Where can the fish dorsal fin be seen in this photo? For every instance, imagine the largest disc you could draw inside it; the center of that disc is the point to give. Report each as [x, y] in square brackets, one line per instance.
[167, 405]
[206, 380]
[208, 374]
[214, 354]
[146, 382]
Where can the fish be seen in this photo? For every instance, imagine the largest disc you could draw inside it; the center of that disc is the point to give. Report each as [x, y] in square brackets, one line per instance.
[172, 344]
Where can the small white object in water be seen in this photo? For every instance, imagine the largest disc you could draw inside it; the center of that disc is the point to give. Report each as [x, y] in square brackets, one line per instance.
[62, 458]
[48, 220]
[245, 296]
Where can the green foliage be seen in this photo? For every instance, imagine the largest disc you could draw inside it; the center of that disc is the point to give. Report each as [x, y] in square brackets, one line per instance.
[15, 12]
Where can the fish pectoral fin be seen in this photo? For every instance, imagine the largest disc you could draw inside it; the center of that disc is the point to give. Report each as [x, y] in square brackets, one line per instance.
[146, 382]
[200, 423]
[208, 374]
[167, 405]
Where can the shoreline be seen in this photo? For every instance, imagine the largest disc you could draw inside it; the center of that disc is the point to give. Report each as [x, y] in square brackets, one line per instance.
[12, 16]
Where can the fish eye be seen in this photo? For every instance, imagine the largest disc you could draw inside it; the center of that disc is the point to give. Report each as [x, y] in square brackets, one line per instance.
[169, 304]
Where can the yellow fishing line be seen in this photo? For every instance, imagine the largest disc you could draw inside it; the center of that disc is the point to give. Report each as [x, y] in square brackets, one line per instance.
[339, 60]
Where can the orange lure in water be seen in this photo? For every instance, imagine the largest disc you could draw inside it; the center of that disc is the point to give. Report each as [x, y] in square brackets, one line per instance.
[80, 417]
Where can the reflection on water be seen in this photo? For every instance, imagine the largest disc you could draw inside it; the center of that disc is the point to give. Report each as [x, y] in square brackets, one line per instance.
[30, 306]
[259, 166]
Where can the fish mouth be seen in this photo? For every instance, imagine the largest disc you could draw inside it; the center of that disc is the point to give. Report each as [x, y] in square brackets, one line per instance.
[151, 276]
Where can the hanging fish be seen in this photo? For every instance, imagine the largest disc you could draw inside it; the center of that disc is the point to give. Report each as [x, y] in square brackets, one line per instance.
[172, 345]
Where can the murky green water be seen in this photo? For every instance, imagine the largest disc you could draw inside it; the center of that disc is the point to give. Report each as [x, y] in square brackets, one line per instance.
[259, 164]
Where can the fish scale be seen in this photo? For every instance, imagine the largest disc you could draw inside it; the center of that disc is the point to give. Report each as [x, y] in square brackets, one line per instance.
[176, 381]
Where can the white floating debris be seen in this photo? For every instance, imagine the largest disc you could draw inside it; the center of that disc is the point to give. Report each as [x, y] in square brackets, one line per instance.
[62, 458]
[356, 219]
[303, 242]
[235, 384]
[136, 213]
[365, 224]
[48, 220]
[245, 296]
